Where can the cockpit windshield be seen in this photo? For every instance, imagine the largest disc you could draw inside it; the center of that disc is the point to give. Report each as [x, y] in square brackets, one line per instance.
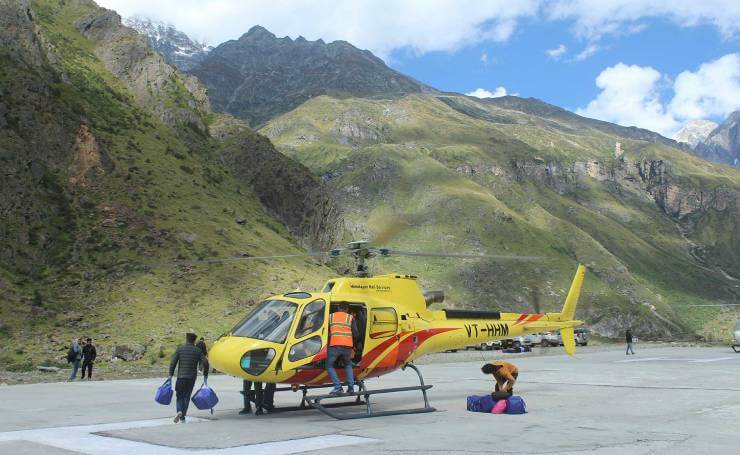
[270, 322]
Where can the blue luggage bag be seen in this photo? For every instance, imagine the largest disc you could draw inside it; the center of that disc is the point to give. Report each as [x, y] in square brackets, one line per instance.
[164, 393]
[205, 397]
[480, 403]
[515, 405]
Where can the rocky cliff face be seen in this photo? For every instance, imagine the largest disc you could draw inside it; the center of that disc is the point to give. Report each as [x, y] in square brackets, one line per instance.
[172, 44]
[286, 188]
[175, 98]
[260, 76]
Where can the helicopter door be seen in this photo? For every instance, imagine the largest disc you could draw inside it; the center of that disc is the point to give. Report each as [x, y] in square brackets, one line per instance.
[309, 337]
[383, 324]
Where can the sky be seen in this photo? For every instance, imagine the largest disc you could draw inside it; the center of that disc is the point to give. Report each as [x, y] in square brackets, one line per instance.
[654, 64]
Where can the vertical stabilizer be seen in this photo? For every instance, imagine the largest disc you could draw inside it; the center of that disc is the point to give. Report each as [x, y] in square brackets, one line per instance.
[569, 340]
[569, 308]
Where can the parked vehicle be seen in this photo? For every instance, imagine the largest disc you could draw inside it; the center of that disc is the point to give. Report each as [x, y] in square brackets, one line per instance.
[551, 339]
[515, 342]
[736, 337]
[555, 339]
[535, 339]
[581, 336]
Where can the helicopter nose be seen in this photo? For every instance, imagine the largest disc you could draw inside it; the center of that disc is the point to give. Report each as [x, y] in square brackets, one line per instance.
[243, 357]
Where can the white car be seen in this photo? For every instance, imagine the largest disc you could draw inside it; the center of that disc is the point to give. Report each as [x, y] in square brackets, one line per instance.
[736, 337]
[515, 342]
[555, 339]
[534, 339]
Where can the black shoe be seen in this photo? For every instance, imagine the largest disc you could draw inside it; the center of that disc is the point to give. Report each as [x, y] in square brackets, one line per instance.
[259, 412]
[268, 407]
[350, 390]
[337, 391]
[245, 411]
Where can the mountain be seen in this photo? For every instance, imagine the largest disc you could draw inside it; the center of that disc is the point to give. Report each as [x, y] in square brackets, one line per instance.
[695, 131]
[114, 168]
[723, 143]
[656, 226]
[175, 46]
[260, 76]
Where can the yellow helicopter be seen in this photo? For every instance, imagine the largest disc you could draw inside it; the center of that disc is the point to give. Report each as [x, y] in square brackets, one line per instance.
[284, 340]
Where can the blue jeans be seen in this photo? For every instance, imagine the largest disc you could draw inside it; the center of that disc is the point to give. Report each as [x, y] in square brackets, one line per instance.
[183, 390]
[75, 367]
[340, 352]
[629, 348]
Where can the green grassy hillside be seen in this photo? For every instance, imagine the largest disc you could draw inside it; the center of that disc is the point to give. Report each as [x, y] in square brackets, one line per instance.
[654, 225]
[106, 185]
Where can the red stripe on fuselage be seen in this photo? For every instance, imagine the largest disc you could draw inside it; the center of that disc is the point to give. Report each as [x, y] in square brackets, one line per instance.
[408, 346]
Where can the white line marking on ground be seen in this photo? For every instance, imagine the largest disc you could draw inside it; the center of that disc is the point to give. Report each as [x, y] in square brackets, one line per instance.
[718, 359]
[646, 359]
[674, 359]
[83, 439]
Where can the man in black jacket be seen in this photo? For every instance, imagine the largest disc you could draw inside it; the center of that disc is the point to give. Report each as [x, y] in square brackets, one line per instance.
[89, 354]
[186, 359]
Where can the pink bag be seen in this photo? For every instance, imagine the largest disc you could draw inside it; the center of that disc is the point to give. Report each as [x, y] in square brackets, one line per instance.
[499, 407]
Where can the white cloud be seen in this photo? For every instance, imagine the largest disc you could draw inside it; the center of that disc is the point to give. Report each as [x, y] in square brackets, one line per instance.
[483, 93]
[594, 19]
[630, 95]
[713, 90]
[557, 52]
[422, 26]
[484, 58]
[382, 26]
[588, 52]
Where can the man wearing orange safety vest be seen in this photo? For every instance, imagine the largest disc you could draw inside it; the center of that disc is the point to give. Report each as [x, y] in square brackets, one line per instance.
[342, 333]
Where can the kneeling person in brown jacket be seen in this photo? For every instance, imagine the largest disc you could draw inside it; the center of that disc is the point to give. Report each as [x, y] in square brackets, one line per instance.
[504, 373]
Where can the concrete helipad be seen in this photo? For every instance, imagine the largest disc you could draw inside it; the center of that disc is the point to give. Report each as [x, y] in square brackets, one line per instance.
[662, 400]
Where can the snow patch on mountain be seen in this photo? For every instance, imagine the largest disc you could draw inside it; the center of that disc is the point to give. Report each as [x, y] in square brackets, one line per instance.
[175, 46]
[695, 132]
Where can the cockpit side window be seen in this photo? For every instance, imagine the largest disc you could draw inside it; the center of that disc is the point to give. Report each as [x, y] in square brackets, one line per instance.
[270, 322]
[312, 318]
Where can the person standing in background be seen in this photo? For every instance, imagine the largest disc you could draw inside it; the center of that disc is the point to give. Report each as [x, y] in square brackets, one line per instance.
[74, 355]
[89, 354]
[201, 344]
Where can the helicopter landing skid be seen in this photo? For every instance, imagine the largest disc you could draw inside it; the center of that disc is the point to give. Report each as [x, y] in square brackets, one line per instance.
[315, 401]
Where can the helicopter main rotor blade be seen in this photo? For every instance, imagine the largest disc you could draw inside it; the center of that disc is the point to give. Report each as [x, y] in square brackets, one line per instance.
[386, 252]
[255, 258]
[394, 226]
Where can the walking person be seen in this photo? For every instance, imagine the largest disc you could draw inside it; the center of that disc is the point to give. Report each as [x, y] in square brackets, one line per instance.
[201, 344]
[74, 355]
[628, 336]
[89, 354]
[187, 358]
[342, 333]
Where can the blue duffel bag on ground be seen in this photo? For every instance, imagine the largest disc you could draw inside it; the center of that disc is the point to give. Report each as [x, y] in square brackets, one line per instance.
[480, 403]
[164, 393]
[515, 405]
[205, 397]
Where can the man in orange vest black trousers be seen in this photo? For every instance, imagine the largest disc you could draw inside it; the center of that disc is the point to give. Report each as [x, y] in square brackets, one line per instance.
[342, 333]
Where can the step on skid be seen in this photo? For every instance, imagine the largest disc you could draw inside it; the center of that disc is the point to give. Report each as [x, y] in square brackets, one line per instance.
[315, 401]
